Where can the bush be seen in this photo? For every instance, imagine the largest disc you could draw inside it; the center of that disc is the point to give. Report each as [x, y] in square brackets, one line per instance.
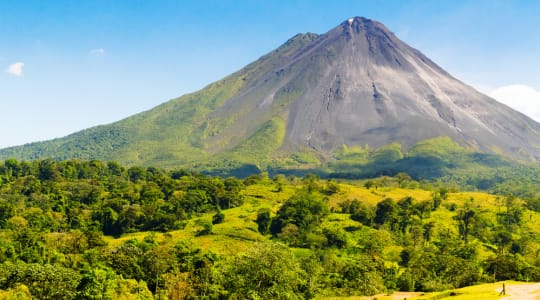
[207, 227]
[218, 218]
[335, 238]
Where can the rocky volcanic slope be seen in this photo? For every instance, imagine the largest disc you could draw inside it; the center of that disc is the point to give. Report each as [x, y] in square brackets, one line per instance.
[357, 84]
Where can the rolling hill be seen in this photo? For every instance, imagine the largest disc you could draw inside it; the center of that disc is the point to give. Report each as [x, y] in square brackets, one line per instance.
[79, 230]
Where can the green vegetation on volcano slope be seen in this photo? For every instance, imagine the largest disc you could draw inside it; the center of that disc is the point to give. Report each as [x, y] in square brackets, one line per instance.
[188, 138]
[161, 136]
[434, 159]
[93, 229]
[190, 129]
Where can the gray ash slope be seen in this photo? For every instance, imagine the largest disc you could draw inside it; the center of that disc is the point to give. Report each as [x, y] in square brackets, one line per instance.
[357, 84]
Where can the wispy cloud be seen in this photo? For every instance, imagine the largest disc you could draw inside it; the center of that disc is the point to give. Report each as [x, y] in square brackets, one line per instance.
[16, 69]
[520, 97]
[98, 51]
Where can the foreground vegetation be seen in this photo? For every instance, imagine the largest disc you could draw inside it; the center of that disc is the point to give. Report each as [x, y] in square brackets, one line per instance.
[94, 230]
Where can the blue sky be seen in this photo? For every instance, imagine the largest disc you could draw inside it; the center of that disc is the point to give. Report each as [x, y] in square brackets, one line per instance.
[69, 65]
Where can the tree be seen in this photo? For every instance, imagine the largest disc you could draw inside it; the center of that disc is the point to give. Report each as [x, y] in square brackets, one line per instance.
[231, 195]
[335, 237]
[126, 260]
[502, 239]
[196, 201]
[304, 210]
[7, 210]
[150, 193]
[406, 213]
[311, 181]
[361, 274]
[115, 168]
[466, 217]
[438, 196]
[12, 169]
[97, 283]
[108, 218]
[48, 170]
[369, 184]
[136, 174]
[206, 227]
[428, 231]
[386, 212]
[265, 271]
[263, 220]
[362, 213]
[157, 262]
[513, 212]
[43, 280]
[402, 178]
[504, 267]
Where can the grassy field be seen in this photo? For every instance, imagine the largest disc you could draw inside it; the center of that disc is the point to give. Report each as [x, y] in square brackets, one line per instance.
[239, 230]
[490, 291]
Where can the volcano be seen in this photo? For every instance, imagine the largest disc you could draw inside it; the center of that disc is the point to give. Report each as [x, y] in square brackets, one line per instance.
[355, 85]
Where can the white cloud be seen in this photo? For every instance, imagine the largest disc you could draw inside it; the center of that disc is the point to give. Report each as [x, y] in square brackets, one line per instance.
[99, 51]
[520, 97]
[16, 69]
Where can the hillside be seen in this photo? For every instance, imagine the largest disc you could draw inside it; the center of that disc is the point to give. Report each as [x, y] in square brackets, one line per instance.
[299, 105]
[77, 230]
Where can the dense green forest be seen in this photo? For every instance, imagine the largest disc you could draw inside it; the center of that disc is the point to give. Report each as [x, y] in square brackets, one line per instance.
[98, 230]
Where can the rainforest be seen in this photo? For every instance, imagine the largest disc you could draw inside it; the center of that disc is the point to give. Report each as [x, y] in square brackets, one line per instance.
[98, 230]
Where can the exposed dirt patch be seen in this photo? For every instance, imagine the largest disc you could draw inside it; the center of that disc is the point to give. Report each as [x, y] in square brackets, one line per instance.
[521, 291]
[394, 296]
